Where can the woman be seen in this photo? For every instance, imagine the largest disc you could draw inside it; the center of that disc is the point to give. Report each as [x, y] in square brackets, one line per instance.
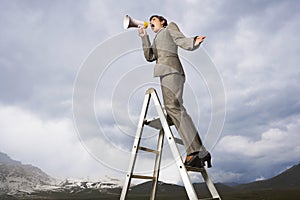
[164, 50]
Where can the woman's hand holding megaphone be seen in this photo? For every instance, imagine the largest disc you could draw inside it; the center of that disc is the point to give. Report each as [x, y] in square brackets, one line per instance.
[142, 31]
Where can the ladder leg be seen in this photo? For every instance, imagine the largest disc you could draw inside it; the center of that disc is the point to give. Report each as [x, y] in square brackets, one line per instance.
[180, 165]
[157, 163]
[211, 187]
[135, 147]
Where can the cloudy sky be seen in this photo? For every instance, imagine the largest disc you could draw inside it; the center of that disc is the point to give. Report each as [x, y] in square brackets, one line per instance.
[72, 82]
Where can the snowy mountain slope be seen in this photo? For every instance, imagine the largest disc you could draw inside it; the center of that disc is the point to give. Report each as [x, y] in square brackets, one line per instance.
[17, 178]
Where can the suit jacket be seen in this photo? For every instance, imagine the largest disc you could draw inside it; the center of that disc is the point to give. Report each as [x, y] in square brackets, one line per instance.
[164, 49]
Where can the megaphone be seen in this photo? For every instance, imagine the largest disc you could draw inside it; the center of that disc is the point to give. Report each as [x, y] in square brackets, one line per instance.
[129, 22]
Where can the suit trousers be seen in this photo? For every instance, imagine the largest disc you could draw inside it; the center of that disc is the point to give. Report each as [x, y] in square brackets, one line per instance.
[172, 91]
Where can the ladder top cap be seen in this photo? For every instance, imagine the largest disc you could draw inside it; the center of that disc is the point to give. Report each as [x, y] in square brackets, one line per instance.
[150, 90]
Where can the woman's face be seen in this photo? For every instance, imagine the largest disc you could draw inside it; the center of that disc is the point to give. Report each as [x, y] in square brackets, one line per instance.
[156, 25]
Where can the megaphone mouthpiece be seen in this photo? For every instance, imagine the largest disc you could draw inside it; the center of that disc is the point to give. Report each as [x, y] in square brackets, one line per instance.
[129, 22]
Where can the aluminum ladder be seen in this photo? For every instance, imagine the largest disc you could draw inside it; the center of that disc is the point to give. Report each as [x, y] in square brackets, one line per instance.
[161, 123]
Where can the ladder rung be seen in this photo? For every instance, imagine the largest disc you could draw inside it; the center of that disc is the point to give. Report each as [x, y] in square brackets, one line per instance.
[194, 169]
[211, 198]
[148, 150]
[142, 177]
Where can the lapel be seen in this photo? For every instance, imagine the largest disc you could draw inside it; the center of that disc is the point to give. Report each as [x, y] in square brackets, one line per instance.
[154, 40]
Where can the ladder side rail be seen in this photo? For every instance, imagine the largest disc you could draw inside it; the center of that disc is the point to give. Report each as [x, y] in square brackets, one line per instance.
[135, 146]
[157, 163]
[210, 185]
[183, 172]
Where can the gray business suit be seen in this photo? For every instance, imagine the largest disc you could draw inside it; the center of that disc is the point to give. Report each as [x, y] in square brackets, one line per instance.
[164, 50]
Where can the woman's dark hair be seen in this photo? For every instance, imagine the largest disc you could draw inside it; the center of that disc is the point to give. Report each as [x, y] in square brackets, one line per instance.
[161, 18]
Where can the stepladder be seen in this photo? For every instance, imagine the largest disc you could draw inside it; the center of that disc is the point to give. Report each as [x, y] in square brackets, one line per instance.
[162, 123]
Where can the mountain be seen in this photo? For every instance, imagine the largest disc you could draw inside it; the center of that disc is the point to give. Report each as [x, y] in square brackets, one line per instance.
[5, 159]
[173, 191]
[283, 186]
[16, 177]
[23, 181]
[162, 188]
[287, 179]
[19, 181]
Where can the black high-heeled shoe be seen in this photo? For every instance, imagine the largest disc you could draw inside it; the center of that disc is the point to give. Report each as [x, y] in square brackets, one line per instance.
[206, 158]
[194, 161]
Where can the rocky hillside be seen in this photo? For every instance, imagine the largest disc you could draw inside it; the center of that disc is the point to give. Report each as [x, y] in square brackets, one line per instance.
[16, 177]
[20, 181]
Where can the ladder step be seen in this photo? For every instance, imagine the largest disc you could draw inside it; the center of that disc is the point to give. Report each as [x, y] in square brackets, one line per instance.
[148, 150]
[194, 169]
[210, 198]
[153, 122]
[178, 141]
[142, 177]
